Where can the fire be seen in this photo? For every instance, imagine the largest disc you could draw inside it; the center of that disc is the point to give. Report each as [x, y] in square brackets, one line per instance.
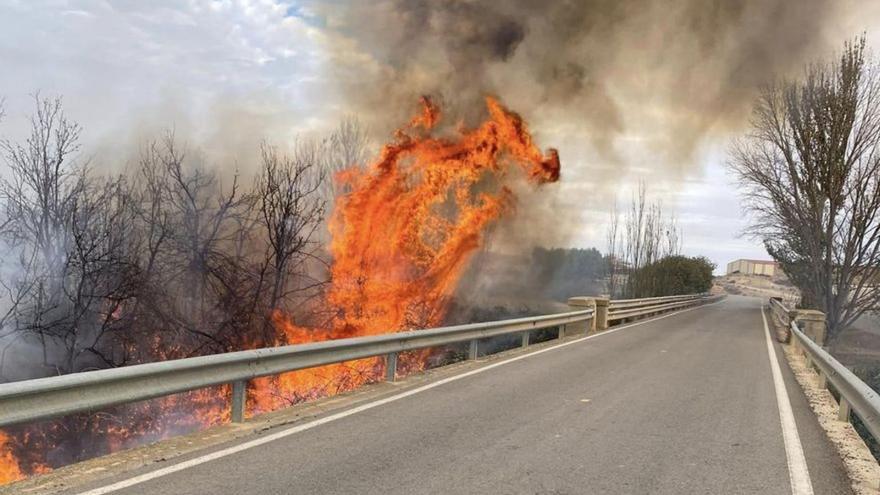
[406, 230]
[402, 235]
[9, 468]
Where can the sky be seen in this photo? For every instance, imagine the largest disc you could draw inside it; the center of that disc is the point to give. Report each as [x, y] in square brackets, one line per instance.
[228, 74]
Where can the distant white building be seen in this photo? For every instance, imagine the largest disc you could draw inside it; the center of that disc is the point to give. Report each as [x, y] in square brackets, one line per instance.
[752, 267]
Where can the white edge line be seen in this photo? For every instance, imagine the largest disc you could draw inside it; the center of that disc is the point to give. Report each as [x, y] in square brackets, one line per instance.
[798, 473]
[349, 412]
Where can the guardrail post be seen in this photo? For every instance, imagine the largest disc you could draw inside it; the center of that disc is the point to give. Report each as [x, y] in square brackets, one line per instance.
[390, 366]
[525, 338]
[792, 314]
[599, 305]
[780, 318]
[812, 322]
[239, 394]
[561, 334]
[472, 349]
[843, 411]
[600, 317]
[578, 303]
[795, 344]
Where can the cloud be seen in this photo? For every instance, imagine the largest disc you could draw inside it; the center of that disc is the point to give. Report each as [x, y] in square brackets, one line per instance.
[224, 73]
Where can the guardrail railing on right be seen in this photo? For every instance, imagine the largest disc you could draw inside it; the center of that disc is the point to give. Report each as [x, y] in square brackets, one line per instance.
[811, 321]
[806, 331]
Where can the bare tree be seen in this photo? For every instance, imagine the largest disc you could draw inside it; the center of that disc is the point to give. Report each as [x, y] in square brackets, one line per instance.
[161, 261]
[38, 199]
[195, 225]
[43, 183]
[810, 176]
[100, 277]
[612, 255]
[70, 231]
[647, 236]
[346, 147]
[291, 211]
[151, 201]
[13, 295]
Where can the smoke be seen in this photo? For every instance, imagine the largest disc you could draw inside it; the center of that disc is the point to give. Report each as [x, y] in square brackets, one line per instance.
[664, 72]
[626, 89]
[621, 87]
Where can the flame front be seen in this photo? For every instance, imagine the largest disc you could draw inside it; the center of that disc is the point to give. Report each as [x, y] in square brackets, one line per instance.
[9, 467]
[406, 227]
[403, 230]
[406, 231]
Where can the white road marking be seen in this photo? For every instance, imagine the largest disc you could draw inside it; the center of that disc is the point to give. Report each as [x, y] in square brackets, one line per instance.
[136, 480]
[798, 473]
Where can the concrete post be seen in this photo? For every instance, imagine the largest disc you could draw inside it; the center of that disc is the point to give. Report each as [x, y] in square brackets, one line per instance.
[812, 322]
[789, 337]
[601, 316]
[783, 333]
[599, 305]
[580, 303]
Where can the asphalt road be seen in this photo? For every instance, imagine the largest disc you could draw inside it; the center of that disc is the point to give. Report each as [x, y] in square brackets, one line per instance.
[684, 404]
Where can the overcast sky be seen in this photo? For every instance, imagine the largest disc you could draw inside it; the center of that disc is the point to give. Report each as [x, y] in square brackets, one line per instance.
[227, 74]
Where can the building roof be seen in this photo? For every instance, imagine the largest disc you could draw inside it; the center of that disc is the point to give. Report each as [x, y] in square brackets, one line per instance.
[760, 262]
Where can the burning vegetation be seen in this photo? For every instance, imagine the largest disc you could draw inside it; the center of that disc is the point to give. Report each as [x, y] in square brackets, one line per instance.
[402, 231]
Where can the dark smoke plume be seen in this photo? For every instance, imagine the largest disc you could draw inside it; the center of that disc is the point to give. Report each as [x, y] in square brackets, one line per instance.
[664, 72]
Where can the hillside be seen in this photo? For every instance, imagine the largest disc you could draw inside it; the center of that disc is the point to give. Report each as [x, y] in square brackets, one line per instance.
[757, 286]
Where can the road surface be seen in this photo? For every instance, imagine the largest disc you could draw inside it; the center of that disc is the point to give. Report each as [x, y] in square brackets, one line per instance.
[682, 404]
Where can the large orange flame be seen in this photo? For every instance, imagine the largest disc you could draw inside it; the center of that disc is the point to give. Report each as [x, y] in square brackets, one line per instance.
[407, 227]
[403, 231]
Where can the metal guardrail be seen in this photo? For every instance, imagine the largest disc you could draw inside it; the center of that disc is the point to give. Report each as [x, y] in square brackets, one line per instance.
[781, 317]
[779, 309]
[855, 395]
[631, 308]
[44, 398]
[780, 312]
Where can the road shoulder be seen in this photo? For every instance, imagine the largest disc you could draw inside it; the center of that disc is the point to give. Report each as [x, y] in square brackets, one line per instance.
[861, 467]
